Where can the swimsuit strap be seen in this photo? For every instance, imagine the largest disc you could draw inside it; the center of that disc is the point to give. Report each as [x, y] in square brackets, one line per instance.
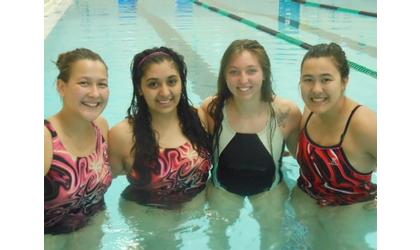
[307, 120]
[283, 147]
[100, 139]
[50, 128]
[348, 123]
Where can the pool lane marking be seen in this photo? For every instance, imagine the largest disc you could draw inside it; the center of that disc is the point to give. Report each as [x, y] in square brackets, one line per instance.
[336, 8]
[355, 45]
[280, 35]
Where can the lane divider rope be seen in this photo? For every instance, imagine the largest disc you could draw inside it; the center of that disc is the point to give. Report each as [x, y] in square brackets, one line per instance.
[280, 35]
[331, 7]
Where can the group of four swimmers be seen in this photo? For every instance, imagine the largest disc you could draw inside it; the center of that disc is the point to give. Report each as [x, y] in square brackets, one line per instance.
[168, 149]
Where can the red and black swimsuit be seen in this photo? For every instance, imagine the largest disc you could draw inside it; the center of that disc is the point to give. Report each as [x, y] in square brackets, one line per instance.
[327, 175]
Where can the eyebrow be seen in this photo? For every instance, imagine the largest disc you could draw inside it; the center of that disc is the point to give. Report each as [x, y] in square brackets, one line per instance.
[151, 79]
[327, 74]
[322, 75]
[246, 67]
[91, 78]
[157, 79]
[307, 75]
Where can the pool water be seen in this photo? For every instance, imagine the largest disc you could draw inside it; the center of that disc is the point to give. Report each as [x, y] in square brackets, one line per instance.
[119, 29]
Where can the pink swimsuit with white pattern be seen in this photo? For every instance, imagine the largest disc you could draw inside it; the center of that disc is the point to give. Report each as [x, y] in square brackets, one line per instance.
[74, 187]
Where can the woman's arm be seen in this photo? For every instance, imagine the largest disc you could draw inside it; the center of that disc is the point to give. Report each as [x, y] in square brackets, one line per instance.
[119, 142]
[364, 130]
[48, 150]
[288, 116]
[204, 110]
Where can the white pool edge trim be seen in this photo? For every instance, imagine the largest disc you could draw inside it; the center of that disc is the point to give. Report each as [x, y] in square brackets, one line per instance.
[53, 11]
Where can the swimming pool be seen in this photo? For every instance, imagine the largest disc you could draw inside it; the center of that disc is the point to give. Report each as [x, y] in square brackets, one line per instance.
[119, 29]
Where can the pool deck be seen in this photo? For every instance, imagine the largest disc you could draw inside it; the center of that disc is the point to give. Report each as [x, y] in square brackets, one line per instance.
[53, 11]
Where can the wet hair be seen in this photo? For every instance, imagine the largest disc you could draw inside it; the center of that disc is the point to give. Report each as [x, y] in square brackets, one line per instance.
[332, 50]
[223, 93]
[146, 147]
[256, 49]
[66, 60]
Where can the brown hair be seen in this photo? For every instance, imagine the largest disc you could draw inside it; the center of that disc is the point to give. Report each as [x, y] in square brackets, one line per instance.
[66, 60]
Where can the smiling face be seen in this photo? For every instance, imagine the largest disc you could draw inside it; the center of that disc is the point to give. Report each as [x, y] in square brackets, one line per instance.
[161, 88]
[322, 87]
[244, 76]
[86, 92]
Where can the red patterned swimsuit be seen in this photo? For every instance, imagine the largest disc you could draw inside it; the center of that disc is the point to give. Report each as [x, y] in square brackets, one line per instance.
[179, 177]
[74, 187]
[327, 175]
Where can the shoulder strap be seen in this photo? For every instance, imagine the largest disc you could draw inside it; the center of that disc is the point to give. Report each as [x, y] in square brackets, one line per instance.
[307, 120]
[100, 139]
[348, 123]
[50, 128]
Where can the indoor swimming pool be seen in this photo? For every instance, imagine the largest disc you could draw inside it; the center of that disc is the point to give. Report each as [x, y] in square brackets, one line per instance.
[201, 31]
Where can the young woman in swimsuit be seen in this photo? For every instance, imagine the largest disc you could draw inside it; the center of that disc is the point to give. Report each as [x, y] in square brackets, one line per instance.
[76, 165]
[336, 154]
[251, 127]
[162, 146]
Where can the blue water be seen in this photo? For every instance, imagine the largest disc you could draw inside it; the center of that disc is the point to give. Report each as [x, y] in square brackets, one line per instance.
[119, 29]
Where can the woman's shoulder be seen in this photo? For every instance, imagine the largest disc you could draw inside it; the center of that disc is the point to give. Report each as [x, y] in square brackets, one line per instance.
[202, 116]
[121, 137]
[284, 105]
[205, 104]
[205, 115]
[286, 110]
[102, 123]
[363, 122]
[364, 115]
[123, 129]
[362, 128]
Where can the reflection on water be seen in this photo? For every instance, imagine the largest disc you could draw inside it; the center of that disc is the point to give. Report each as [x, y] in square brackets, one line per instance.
[289, 13]
[131, 226]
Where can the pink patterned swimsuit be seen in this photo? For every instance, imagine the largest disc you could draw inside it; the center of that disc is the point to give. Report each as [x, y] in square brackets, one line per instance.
[74, 187]
[181, 175]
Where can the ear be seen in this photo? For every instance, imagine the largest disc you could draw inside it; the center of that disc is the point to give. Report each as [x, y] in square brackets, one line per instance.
[60, 87]
[345, 82]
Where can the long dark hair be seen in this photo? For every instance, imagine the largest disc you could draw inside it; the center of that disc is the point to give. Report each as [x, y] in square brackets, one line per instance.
[223, 93]
[146, 147]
